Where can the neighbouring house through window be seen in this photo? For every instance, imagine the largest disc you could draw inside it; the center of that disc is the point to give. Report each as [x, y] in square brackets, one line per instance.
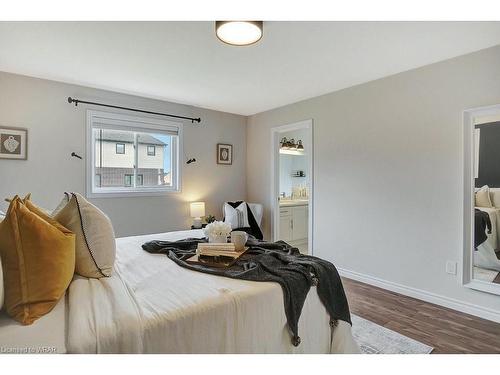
[121, 148]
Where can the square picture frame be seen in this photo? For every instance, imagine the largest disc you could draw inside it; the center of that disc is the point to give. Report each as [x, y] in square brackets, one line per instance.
[13, 143]
[224, 153]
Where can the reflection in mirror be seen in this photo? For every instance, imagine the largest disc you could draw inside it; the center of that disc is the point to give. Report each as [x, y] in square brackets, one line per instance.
[486, 221]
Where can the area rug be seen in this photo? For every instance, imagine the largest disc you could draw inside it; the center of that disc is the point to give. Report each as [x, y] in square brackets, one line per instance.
[375, 339]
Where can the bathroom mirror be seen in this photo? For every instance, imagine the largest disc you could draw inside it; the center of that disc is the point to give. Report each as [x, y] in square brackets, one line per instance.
[481, 254]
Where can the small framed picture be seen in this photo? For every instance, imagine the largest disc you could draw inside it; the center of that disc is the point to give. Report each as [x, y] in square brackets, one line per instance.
[13, 143]
[224, 154]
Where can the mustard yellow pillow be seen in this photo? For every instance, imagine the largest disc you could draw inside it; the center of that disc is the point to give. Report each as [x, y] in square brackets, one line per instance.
[38, 261]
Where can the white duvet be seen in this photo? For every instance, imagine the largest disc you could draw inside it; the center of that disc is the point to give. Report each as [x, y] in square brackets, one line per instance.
[151, 305]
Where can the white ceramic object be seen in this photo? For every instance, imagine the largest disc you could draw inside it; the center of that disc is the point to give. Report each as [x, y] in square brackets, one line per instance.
[239, 239]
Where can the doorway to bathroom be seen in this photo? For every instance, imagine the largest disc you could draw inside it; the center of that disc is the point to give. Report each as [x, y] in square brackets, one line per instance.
[292, 184]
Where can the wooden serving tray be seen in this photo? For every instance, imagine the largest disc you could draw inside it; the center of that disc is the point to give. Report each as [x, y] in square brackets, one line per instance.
[219, 261]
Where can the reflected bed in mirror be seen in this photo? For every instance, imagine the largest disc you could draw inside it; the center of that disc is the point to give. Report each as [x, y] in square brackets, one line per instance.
[481, 258]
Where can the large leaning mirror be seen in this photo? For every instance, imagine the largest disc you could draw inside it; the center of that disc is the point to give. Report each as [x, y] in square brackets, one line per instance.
[482, 199]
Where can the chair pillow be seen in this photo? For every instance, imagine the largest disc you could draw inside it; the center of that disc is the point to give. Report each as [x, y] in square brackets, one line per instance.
[95, 238]
[495, 197]
[236, 217]
[482, 197]
[38, 261]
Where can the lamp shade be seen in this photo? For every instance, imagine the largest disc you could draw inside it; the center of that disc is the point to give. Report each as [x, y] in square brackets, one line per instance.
[197, 209]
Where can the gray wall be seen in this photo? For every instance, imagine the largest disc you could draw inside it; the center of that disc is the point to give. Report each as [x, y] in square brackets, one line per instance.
[57, 128]
[388, 171]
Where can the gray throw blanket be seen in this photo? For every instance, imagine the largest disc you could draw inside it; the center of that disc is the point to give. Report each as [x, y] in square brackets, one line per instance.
[273, 261]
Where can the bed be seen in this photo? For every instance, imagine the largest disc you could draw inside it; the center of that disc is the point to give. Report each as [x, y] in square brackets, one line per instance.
[151, 305]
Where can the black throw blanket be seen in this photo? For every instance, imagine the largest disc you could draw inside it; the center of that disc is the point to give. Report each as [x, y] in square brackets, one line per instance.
[481, 223]
[278, 262]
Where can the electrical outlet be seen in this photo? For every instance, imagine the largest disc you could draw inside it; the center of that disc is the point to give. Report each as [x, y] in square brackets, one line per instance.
[451, 267]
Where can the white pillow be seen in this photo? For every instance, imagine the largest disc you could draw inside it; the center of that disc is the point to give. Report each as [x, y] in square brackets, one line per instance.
[483, 197]
[495, 197]
[236, 217]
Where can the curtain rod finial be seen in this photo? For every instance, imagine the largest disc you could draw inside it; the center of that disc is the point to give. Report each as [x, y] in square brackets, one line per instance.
[71, 100]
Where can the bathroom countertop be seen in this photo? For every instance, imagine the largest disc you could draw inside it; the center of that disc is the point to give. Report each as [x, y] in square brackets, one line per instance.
[293, 202]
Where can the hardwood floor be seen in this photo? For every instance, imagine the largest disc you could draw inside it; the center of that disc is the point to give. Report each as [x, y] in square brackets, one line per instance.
[446, 330]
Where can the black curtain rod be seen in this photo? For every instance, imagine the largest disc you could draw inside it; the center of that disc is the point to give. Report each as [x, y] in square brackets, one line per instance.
[77, 101]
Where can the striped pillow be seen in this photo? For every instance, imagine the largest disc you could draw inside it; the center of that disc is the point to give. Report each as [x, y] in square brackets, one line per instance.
[236, 217]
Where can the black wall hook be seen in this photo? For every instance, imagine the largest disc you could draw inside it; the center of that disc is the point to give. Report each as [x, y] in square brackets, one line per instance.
[76, 155]
[193, 160]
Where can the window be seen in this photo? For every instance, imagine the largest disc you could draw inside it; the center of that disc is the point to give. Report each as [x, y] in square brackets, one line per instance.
[130, 177]
[121, 147]
[128, 180]
[151, 150]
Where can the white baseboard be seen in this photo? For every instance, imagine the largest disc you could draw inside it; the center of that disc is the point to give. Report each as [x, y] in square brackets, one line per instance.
[423, 295]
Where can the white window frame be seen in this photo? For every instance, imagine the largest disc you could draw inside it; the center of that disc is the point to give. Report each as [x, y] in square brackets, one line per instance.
[118, 121]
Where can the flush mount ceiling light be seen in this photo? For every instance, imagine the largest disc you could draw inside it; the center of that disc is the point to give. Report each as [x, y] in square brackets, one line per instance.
[239, 33]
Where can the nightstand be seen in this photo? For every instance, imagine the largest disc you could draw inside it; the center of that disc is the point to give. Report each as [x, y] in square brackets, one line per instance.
[202, 226]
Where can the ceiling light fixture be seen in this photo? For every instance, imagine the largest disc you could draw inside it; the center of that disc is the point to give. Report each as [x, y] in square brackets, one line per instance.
[239, 33]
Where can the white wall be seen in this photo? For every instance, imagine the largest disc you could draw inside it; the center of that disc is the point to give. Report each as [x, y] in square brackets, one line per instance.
[388, 171]
[57, 128]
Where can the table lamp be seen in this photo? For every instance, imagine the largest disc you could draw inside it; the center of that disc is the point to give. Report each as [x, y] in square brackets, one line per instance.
[197, 212]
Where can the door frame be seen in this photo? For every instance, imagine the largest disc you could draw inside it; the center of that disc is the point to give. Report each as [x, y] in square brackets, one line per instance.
[274, 203]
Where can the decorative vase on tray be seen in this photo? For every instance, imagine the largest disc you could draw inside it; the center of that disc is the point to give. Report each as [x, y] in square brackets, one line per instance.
[217, 232]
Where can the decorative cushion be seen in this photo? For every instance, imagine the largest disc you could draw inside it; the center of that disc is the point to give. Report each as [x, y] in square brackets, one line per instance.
[236, 217]
[495, 197]
[258, 211]
[95, 238]
[483, 197]
[38, 261]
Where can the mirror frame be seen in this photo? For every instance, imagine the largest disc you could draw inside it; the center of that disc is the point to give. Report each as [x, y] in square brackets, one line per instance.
[469, 117]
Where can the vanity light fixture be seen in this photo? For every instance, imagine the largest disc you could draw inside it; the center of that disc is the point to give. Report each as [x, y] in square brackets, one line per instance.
[239, 33]
[289, 147]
